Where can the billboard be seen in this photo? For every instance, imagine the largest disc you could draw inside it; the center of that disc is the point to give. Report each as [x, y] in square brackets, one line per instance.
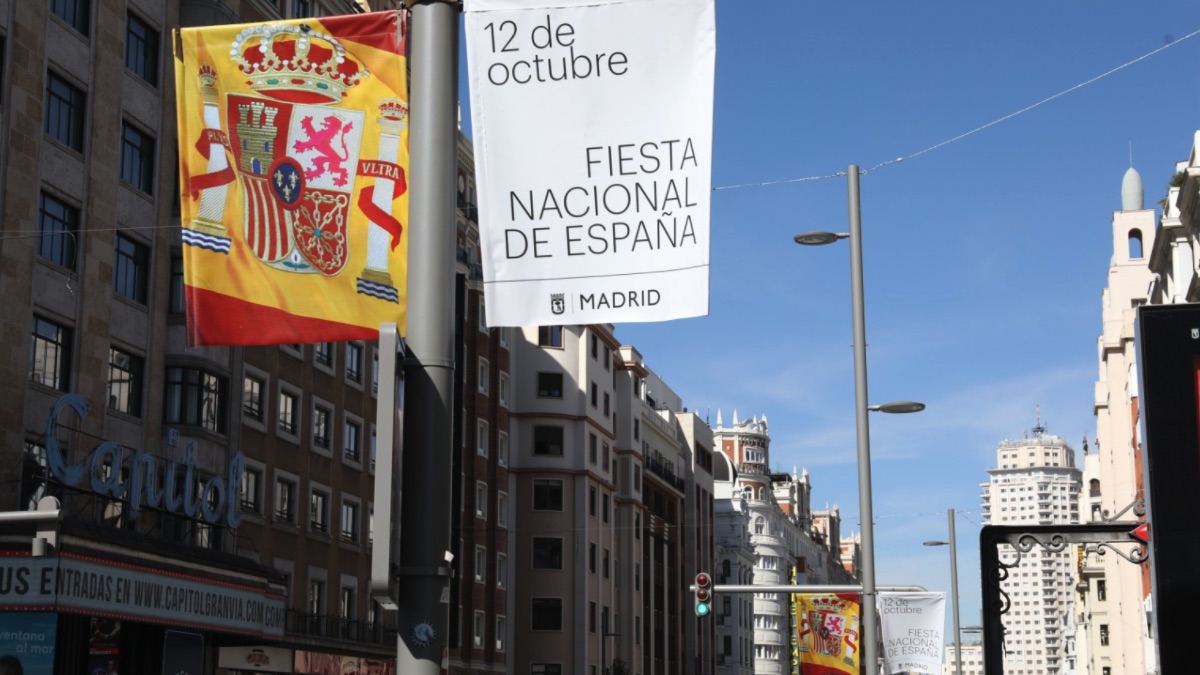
[1168, 353]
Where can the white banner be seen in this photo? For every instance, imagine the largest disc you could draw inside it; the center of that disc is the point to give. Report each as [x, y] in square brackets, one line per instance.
[913, 626]
[592, 126]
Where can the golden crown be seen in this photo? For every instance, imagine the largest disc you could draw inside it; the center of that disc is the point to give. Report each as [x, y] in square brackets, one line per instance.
[208, 75]
[393, 109]
[829, 603]
[292, 62]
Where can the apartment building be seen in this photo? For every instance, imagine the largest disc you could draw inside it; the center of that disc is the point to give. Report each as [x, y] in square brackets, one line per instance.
[272, 448]
[1035, 482]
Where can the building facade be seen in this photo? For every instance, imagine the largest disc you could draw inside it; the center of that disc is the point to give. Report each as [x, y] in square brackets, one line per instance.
[223, 495]
[1114, 594]
[1035, 482]
[789, 548]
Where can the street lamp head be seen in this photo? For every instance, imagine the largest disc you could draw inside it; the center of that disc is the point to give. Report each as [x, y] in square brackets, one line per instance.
[936, 543]
[898, 407]
[819, 238]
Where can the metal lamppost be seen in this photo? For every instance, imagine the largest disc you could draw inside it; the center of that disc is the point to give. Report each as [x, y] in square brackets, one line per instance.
[953, 590]
[870, 613]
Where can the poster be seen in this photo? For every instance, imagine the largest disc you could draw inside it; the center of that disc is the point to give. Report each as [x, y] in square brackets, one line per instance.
[913, 632]
[592, 127]
[27, 642]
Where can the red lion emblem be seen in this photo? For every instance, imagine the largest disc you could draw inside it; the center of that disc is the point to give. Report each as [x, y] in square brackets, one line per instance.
[329, 160]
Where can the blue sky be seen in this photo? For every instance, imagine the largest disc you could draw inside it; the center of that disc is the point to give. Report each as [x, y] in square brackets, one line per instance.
[984, 259]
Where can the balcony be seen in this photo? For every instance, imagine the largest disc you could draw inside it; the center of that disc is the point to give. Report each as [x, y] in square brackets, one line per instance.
[665, 472]
[338, 628]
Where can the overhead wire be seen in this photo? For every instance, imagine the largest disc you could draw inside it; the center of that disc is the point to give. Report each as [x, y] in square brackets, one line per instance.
[982, 127]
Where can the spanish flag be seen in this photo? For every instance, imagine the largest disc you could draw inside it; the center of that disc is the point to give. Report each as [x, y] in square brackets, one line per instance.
[293, 160]
[827, 627]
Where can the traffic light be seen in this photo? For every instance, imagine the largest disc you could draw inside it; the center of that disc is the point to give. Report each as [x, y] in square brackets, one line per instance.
[703, 590]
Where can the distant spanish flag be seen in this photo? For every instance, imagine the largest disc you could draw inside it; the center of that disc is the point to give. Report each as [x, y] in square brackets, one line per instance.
[828, 630]
[293, 159]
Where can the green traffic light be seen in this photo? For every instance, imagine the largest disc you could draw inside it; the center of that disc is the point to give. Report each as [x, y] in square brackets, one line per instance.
[702, 609]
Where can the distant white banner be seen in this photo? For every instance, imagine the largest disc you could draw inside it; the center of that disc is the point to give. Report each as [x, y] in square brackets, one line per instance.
[592, 126]
[913, 627]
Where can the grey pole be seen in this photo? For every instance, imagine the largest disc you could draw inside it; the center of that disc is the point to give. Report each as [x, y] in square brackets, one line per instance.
[424, 569]
[954, 592]
[870, 648]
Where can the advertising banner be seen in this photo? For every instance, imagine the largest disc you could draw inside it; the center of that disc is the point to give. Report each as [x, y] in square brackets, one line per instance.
[592, 126]
[293, 153]
[913, 625]
[829, 633]
[27, 642]
[93, 586]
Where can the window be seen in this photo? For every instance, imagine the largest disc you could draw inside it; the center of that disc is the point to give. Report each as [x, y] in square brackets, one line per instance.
[287, 412]
[196, 397]
[550, 385]
[604, 506]
[592, 558]
[251, 492]
[546, 614]
[316, 596]
[1101, 589]
[550, 336]
[605, 454]
[132, 269]
[477, 629]
[607, 404]
[352, 444]
[481, 437]
[592, 501]
[141, 49]
[252, 401]
[323, 353]
[502, 449]
[548, 440]
[285, 500]
[321, 419]
[481, 499]
[354, 354]
[346, 603]
[503, 389]
[501, 632]
[592, 616]
[58, 227]
[74, 12]
[124, 382]
[350, 521]
[176, 301]
[595, 394]
[547, 553]
[501, 570]
[483, 376]
[595, 346]
[480, 564]
[547, 494]
[592, 448]
[545, 669]
[65, 108]
[318, 514]
[137, 158]
[1104, 635]
[502, 509]
[482, 315]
